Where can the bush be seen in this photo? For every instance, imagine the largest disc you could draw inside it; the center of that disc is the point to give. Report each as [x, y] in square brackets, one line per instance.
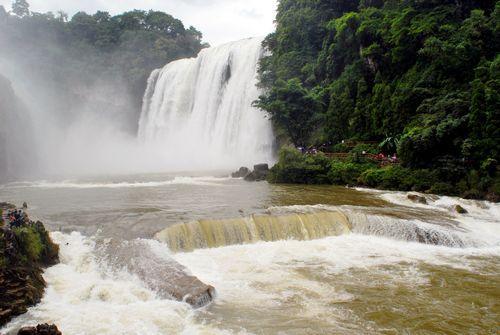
[339, 148]
[389, 178]
[297, 168]
[30, 243]
[367, 148]
[443, 188]
[342, 173]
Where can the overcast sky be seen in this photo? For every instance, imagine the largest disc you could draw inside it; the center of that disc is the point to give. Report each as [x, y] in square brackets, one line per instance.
[220, 21]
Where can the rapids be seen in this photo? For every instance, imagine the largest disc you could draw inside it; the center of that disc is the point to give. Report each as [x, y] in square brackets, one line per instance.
[313, 259]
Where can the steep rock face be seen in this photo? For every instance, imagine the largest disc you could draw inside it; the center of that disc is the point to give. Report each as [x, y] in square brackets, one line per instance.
[16, 135]
[24, 252]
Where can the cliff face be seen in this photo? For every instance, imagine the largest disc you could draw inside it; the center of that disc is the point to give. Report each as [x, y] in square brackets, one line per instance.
[16, 135]
[25, 249]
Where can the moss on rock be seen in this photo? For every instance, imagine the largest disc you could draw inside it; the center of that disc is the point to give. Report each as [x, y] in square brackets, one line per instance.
[24, 252]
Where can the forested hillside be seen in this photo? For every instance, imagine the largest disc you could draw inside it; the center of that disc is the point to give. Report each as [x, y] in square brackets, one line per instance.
[420, 76]
[72, 55]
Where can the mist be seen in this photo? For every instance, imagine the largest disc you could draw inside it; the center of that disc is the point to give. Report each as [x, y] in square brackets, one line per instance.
[82, 94]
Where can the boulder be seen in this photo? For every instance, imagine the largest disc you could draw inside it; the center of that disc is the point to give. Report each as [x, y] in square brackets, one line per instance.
[261, 168]
[259, 173]
[44, 329]
[417, 199]
[460, 210]
[241, 173]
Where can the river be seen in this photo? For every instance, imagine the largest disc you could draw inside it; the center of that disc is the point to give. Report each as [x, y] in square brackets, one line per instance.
[283, 259]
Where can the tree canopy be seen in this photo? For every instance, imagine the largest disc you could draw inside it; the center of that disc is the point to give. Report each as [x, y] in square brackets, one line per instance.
[86, 48]
[424, 72]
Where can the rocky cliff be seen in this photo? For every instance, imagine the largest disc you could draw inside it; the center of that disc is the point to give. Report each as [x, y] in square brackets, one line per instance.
[25, 249]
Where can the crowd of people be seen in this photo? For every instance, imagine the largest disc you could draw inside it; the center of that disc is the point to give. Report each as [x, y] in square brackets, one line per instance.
[17, 218]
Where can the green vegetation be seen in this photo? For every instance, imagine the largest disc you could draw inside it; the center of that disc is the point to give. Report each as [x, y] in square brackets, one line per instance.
[356, 170]
[72, 55]
[28, 245]
[420, 77]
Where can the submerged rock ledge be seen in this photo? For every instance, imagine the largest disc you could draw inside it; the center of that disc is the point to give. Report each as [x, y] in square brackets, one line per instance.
[160, 273]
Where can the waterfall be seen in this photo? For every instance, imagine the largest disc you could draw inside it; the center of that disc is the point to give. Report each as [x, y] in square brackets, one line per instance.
[303, 227]
[199, 110]
[218, 233]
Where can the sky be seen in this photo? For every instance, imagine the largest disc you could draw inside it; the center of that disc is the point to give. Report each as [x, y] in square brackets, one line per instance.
[220, 21]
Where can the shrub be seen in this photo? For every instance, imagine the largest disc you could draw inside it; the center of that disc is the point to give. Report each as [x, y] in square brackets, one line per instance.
[340, 147]
[443, 188]
[422, 180]
[342, 173]
[371, 177]
[368, 148]
[30, 243]
[390, 178]
[297, 168]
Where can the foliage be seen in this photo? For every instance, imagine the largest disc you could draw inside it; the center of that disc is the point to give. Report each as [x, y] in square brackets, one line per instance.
[30, 243]
[421, 77]
[294, 167]
[75, 54]
[346, 173]
[365, 148]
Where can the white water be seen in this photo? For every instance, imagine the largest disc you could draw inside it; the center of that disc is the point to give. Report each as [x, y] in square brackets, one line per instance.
[200, 112]
[281, 287]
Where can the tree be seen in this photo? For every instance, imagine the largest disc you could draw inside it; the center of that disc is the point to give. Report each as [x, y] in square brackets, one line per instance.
[21, 8]
[292, 106]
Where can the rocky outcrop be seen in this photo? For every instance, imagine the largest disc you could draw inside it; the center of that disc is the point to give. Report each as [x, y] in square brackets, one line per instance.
[24, 252]
[241, 173]
[460, 210]
[259, 173]
[417, 199]
[160, 273]
[44, 329]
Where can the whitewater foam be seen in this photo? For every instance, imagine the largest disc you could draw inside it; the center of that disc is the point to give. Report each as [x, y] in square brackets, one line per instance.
[199, 181]
[84, 296]
[200, 110]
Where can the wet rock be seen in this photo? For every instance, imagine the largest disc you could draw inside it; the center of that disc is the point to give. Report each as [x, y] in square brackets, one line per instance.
[44, 329]
[417, 199]
[6, 206]
[259, 173]
[460, 210]
[261, 168]
[241, 173]
[21, 281]
[161, 273]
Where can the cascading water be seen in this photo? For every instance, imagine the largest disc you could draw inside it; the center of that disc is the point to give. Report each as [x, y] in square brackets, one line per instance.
[307, 225]
[200, 110]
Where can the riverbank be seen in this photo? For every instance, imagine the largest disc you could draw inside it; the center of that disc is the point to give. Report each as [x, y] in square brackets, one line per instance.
[25, 250]
[356, 169]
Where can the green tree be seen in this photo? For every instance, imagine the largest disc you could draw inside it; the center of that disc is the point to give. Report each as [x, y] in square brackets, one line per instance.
[21, 8]
[291, 105]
